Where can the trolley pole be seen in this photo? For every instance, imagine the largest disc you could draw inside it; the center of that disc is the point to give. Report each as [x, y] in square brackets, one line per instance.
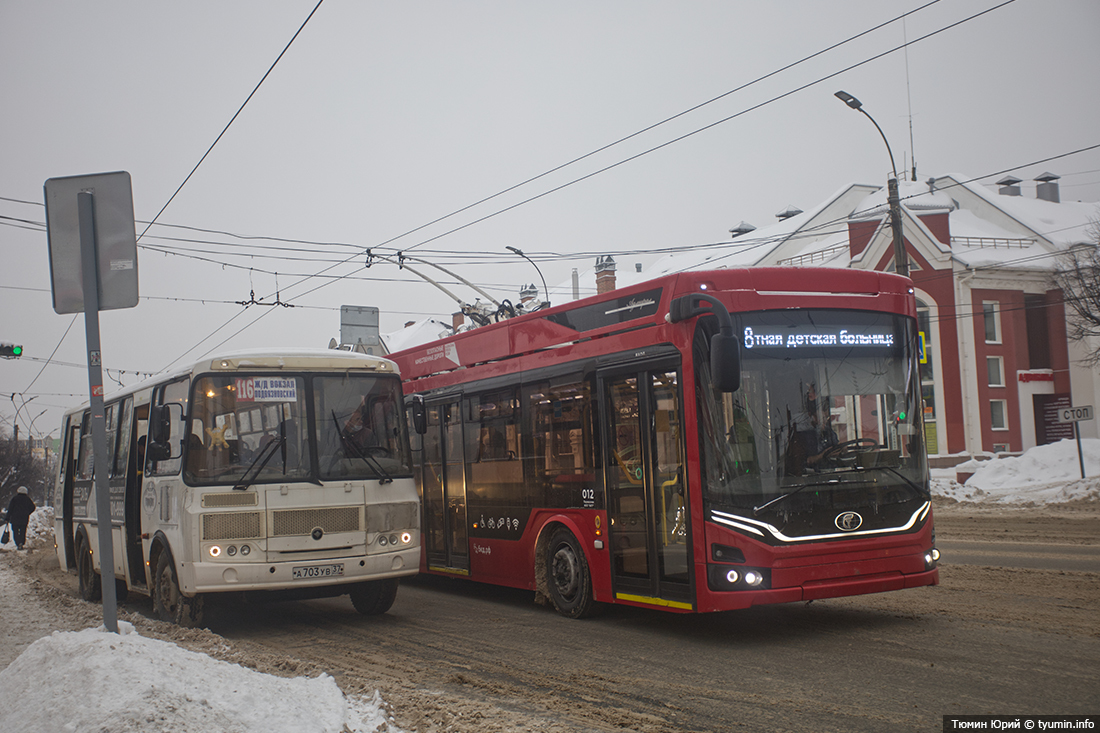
[86, 211]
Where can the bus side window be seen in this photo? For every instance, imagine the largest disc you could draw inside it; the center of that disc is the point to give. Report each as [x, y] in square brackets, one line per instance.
[86, 455]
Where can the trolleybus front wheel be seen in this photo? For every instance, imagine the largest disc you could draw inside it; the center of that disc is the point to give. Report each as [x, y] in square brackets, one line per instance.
[568, 579]
[91, 587]
[373, 597]
[168, 602]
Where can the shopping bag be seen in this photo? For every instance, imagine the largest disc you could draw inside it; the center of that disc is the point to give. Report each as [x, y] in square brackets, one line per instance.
[7, 536]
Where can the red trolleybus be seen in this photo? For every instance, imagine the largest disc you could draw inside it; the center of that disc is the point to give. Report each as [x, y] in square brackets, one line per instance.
[700, 442]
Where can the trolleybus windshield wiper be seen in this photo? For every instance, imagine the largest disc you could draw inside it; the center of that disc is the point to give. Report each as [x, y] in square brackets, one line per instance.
[259, 462]
[927, 494]
[765, 505]
[383, 476]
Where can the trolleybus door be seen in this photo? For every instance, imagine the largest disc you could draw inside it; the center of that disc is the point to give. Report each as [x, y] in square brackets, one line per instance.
[646, 493]
[444, 486]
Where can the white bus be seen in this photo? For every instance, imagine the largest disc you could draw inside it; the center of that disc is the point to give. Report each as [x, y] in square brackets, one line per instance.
[282, 471]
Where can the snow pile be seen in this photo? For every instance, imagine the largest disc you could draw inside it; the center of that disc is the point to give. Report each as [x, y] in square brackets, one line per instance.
[125, 682]
[1046, 474]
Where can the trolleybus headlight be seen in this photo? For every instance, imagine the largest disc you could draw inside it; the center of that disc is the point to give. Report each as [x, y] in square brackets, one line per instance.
[393, 539]
[732, 577]
[406, 538]
[935, 555]
[753, 578]
[215, 551]
[382, 540]
[245, 549]
[231, 550]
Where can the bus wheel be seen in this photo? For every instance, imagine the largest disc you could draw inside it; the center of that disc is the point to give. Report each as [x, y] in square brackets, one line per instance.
[168, 602]
[568, 579]
[91, 585]
[374, 596]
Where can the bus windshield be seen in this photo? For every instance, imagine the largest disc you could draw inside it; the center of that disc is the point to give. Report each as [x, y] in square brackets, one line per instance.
[828, 413]
[360, 428]
[247, 425]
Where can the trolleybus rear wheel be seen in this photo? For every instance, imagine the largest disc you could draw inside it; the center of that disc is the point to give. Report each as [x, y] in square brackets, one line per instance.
[373, 597]
[568, 579]
[91, 586]
[168, 602]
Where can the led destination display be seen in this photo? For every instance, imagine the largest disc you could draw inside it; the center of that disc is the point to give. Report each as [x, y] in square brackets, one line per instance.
[786, 337]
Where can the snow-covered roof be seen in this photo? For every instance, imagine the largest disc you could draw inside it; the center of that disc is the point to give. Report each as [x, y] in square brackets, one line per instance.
[420, 332]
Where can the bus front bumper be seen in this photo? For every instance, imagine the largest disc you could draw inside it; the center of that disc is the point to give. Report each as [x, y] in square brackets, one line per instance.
[222, 577]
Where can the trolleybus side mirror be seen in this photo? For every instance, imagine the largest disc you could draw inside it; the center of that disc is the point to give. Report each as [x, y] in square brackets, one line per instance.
[418, 413]
[725, 362]
[725, 354]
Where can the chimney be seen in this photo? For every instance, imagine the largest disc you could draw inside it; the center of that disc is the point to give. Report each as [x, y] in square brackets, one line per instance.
[605, 274]
[1009, 186]
[576, 285]
[788, 212]
[1047, 190]
[457, 320]
[743, 228]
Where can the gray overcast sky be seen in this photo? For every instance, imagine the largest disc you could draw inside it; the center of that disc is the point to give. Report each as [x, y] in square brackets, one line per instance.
[383, 117]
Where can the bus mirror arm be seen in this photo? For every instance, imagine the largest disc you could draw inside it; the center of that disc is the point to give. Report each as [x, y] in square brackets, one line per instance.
[725, 354]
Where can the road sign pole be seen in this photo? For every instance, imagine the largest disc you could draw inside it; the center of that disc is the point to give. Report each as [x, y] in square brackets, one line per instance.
[1080, 455]
[101, 466]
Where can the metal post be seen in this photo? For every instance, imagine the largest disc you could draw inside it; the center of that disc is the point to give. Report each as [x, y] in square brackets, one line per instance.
[86, 210]
[1080, 455]
[901, 259]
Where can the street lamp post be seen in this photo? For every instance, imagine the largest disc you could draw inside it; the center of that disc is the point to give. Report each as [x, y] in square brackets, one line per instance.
[520, 253]
[901, 259]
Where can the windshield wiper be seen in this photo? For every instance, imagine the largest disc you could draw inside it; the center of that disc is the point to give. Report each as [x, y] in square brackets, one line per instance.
[757, 509]
[383, 476]
[259, 462]
[912, 484]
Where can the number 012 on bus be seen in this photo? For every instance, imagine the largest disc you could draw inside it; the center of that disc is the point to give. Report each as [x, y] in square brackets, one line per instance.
[700, 442]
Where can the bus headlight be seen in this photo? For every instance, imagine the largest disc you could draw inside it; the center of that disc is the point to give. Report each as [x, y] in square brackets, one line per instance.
[215, 551]
[729, 578]
[406, 538]
[231, 550]
[246, 549]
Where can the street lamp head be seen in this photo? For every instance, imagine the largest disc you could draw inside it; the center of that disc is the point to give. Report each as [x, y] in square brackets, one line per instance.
[849, 100]
[514, 250]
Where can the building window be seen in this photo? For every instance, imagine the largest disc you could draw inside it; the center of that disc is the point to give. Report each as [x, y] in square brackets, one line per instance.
[992, 321]
[998, 414]
[995, 368]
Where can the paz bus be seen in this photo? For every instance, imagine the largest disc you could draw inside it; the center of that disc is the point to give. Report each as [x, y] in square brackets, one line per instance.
[700, 442]
[255, 471]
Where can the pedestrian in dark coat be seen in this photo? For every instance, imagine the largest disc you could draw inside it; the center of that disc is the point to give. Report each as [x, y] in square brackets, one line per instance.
[18, 515]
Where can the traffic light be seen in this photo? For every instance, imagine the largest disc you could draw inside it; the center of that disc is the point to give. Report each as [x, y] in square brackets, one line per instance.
[11, 351]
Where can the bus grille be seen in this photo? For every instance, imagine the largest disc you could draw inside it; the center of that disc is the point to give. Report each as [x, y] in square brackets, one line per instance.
[388, 517]
[237, 498]
[232, 526]
[294, 522]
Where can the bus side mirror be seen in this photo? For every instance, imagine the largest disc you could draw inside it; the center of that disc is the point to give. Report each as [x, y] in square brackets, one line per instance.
[725, 354]
[419, 414]
[725, 363]
[160, 431]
